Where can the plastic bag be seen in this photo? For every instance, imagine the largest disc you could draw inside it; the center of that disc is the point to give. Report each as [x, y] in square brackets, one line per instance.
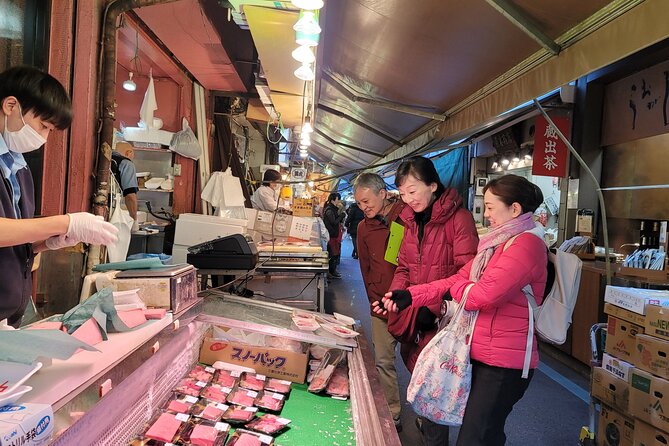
[185, 142]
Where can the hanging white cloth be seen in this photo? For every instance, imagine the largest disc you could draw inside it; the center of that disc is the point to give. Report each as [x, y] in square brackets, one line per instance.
[149, 105]
[123, 222]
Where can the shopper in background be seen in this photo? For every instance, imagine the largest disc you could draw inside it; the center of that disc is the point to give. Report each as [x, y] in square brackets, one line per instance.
[379, 213]
[440, 237]
[266, 197]
[353, 218]
[125, 174]
[32, 104]
[501, 269]
[333, 215]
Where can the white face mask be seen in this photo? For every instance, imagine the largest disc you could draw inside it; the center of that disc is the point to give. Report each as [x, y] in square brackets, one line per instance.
[24, 140]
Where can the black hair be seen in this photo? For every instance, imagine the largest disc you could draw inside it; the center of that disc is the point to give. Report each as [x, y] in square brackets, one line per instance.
[514, 189]
[333, 196]
[38, 92]
[270, 176]
[422, 169]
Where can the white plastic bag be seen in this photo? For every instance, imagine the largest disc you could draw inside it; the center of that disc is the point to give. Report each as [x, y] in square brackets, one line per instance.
[185, 143]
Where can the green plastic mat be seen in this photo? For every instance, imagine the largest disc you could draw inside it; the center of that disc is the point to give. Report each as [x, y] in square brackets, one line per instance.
[316, 420]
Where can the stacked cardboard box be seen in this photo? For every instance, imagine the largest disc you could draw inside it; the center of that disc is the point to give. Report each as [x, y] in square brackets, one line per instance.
[634, 378]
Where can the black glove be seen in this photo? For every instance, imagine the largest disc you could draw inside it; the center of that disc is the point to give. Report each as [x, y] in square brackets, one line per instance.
[402, 299]
[425, 319]
[447, 296]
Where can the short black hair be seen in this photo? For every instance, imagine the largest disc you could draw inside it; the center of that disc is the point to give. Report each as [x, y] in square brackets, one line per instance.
[38, 92]
[333, 196]
[270, 176]
[422, 169]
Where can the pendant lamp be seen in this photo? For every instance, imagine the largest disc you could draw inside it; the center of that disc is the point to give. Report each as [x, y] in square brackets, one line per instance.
[129, 84]
[304, 54]
[307, 23]
[305, 73]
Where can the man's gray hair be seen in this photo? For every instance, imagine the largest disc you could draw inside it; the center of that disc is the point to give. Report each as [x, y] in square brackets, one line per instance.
[371, 181]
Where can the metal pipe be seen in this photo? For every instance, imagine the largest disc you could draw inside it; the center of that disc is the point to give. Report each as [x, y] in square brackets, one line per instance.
[573, 151]
[108, 97]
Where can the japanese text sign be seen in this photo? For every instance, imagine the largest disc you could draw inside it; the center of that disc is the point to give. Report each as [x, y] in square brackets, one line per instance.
[550, 152]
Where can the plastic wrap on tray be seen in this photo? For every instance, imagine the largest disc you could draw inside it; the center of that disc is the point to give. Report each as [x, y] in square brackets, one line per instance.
[243, 437]
[165, 427]
[216, 393]
[239, 415]
[252, 381]
[338, 386]
[268, 424]
[270, 401]
[226, 378]
[317, 351]
[242, 397]
[179, 403]
[205, 433]
[189, 386]
[278, 386]
[209, 410]
[325, 371]
[201, 373]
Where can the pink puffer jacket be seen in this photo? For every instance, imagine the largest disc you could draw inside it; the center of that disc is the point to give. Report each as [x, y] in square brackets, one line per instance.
[500, 333]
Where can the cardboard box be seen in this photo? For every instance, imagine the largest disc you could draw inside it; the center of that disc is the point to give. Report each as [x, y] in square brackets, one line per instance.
[621, 338]
[610, 389]
[649, 396]
[626, 315]
[647, 435]
[614, 429]
[657, 321]
[617, 367]
[272, 362]
[635, 299]
[650, 354]
[26, 424]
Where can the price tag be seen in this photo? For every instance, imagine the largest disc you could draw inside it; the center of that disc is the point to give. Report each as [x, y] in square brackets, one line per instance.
[261, 377]
[277, 396]
[221, 406]
[283, 420]
[584, 223]
[235, 373]
[251, 409]
[182, 417]
[220, 426]
[252, 394]
[201, 384]
[210, 370]
[265, 439]
[190, 399]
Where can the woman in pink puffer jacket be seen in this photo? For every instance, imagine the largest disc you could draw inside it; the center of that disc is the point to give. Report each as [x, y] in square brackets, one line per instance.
[510, 256]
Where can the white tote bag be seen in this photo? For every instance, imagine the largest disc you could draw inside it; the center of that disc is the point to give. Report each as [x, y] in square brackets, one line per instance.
[441, 381]
[123, 222]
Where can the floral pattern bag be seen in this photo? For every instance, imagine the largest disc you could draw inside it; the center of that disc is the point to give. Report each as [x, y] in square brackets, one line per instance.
[441, 381]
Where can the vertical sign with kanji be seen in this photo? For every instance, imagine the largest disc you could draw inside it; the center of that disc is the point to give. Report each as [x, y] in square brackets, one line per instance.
[550, 152]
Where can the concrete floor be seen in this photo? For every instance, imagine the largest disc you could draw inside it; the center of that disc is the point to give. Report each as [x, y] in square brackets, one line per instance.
[551, 413]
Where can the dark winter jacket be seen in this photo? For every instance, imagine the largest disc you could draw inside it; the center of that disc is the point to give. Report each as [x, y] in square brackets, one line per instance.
[353, 219]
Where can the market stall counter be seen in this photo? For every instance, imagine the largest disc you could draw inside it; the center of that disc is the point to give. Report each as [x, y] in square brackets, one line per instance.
[132, 397]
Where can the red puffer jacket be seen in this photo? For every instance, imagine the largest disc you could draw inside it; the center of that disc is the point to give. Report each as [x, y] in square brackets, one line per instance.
[449, 242]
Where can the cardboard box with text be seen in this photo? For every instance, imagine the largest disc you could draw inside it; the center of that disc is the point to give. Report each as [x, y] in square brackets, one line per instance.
[621, 338]
[615, 429]
[610, 389]
[650, 354]
[649, 396]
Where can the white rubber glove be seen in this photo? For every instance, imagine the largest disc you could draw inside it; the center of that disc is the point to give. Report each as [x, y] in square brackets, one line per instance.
[59, 242]
[92, 229]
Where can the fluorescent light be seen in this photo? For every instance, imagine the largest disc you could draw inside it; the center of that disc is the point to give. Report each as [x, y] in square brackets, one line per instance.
[129, 84]
[308, 4]
[304, 54]
[307, 23]
[305, 73]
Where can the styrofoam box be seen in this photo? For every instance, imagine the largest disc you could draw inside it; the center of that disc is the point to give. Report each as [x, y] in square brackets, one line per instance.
[179, 253]
[635, 299]
[192, 229]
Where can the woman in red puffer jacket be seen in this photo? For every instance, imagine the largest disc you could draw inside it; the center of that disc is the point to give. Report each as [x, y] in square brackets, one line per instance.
[439, 238]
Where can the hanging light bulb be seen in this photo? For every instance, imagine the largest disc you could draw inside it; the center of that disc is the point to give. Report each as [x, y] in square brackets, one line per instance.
[505, 161]
[516, 158]
[129, 84]
[305, 73]
[305, 139]
[304, 54]
[308, 4]
[311, 184]
[328, 171]
[528, 155]
[307, 23]
[494, 165]
[307, 128]
[304, 154]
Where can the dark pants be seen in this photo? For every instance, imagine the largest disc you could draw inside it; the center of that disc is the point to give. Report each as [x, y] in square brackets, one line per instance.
[433, 434]
[494, 392]
[354, 239]
[334, 260]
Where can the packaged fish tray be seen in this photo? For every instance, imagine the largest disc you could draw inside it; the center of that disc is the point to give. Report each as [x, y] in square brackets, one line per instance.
[239, 415]
[164, 428]
[209, 410]
[202, 373]
[205, 433]
[278, 386]
[243, 437]
[179, 403]
[226, 378]
[338, 387]
[252, 381]
[216, 393]
[270, 401]
[325, 371]
[242, 397]
[189, 386]
[268, 424]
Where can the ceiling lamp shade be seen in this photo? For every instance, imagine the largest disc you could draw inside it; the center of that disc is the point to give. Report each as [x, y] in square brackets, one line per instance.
[307, 23]
[308, 4]
[305, 140]
[307, 128]
[305, 73]
[306, 39]
[304, 54]
[304, 154]
[129, 84]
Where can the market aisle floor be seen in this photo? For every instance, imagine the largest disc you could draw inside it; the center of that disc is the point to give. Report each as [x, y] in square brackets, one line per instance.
[551, 413]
